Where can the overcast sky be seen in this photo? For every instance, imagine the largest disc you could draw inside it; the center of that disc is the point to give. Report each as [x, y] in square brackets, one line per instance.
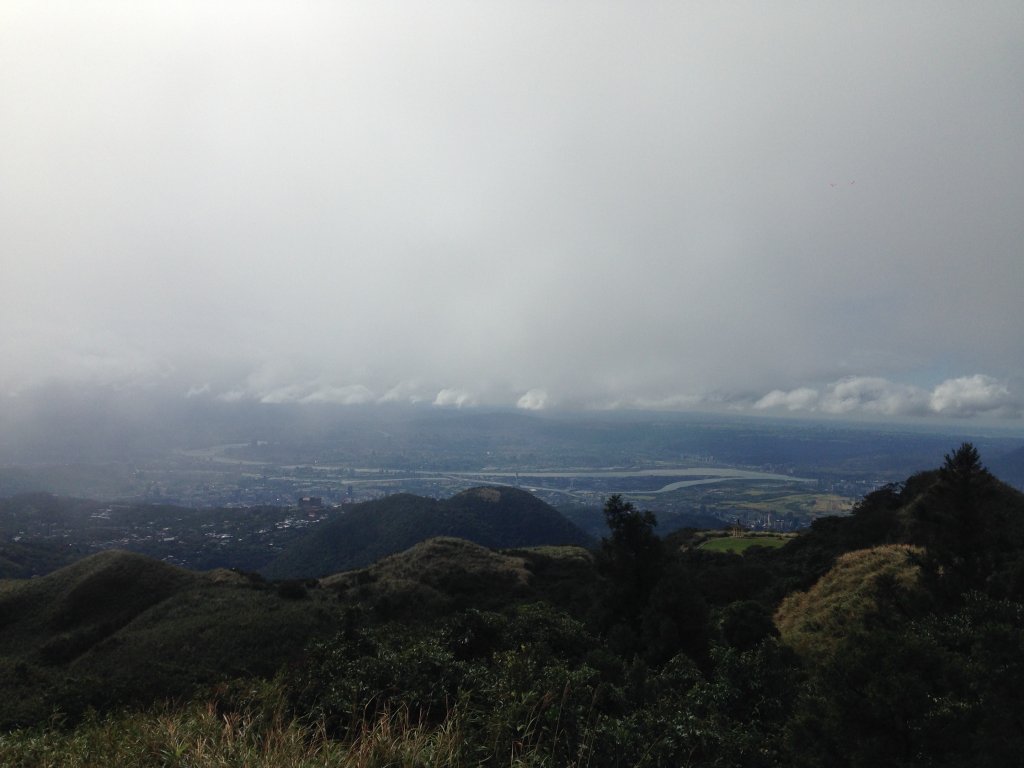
[785, 207]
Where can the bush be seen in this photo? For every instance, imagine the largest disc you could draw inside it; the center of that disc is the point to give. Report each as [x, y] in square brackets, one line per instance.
[292, 590]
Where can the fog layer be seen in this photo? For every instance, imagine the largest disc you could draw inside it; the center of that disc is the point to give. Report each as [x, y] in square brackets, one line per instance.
[784, 207]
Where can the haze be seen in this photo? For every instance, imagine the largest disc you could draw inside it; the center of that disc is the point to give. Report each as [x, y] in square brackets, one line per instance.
[775, 208]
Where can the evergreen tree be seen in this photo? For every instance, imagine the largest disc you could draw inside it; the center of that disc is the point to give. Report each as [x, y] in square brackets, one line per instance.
[632, 558]
[958, 523]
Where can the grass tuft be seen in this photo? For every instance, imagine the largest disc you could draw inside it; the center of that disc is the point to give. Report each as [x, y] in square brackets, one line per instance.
[202, 736]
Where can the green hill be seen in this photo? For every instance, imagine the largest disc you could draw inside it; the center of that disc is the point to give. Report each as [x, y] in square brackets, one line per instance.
[121, 627]
[846, 598]
[444, 574]
[495, 517]
[83, 603]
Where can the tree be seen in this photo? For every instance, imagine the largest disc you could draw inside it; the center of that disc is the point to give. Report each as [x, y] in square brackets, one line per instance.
[632, 558]
[745, 623]
[963, 467]
[633, 553]
[959, 522]
[675, 618]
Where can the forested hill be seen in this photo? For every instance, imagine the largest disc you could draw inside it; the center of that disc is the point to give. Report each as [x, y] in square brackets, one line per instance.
[497, 517]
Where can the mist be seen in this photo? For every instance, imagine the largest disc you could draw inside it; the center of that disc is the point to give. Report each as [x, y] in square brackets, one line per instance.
[790, 209]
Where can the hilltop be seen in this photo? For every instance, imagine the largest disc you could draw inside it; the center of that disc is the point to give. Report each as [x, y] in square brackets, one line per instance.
[122, 627]
[495, 517]
[445, 574]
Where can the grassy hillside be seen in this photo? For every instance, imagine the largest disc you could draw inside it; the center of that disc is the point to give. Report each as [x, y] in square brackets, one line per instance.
[118, 626]
[492, 517]
[445, 574]
[83, 603]
[844, 599]
[741, 543]
[121, 628]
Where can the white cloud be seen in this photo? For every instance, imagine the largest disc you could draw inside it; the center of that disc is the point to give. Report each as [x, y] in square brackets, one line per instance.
[968, 396]
[404, 392]
[197, 391]
[873, 395]
[233, 396]
[303, 392]
[454, 397]
[352, 394]
[534, 400]
[291, 393]
[802, 399]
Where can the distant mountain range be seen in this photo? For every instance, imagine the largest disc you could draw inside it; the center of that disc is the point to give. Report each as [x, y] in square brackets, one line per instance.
[494, 517]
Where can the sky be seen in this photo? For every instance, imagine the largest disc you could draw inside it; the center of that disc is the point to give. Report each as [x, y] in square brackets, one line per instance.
[784, 208]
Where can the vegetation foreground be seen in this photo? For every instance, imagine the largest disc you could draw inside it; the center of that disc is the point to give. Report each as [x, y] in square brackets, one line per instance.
[891, 637]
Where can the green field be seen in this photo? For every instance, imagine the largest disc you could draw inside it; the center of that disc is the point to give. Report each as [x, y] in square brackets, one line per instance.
[740, 544]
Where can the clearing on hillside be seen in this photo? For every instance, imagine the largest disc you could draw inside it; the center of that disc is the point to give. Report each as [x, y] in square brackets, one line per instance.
[741, 543]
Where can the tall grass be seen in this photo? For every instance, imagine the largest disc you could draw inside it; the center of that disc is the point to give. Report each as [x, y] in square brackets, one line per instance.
[199, 736]
[815, 622]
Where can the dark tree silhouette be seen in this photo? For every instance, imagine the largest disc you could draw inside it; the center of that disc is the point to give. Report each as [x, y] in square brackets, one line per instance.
[633, 553]
[632, 559]
[959, 523]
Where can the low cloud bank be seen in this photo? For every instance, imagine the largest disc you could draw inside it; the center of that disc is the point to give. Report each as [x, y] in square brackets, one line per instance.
[974, 396]
[962, 397]
[977, 396]
[348, 394]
